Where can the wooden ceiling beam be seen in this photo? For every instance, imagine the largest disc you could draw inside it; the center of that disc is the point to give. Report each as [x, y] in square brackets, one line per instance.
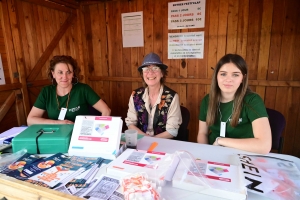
[52, 5]
[68, 3]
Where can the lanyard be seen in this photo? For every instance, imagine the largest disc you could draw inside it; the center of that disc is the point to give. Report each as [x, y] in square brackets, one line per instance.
[67, 101]
[223, 124]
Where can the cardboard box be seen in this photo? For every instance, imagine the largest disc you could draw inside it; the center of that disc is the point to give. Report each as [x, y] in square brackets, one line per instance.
[47, 137]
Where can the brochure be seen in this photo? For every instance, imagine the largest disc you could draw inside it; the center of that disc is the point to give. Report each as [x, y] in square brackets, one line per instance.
[96, 136]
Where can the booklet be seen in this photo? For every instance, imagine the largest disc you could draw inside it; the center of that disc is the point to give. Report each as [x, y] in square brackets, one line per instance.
[15, 169]
[64, 172]
[271, 177]
[210, 178]
[96, 136]
[103, 188]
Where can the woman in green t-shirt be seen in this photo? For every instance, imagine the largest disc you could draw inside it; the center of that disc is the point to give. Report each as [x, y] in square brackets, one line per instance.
[66, 97]
[231, 114]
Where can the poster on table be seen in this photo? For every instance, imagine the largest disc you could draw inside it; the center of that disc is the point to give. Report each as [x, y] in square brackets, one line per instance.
[132, 29]
[186, 45]
[186, 14]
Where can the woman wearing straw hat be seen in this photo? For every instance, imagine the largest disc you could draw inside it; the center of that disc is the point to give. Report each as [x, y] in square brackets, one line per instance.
[154, 110]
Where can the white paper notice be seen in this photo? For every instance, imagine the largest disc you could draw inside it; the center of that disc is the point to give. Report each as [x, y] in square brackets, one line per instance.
[132, 29]
[186, 14]
[185, 45]
[2, 78]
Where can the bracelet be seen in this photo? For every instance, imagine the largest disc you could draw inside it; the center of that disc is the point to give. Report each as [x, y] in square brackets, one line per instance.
[217, 141]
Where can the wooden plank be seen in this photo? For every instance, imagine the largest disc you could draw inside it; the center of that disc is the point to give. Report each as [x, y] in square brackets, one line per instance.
[295, 62]
[95, 39]
[265, 37]
[12, 86]
[8, 41]
[14, 189]
[6, 105]
[269, 97]
[158, 12]
[126, 51]
[81, 57]
[35, 91]
[212, 14]
[288, 41]
[69, 4]
[276, 39]
[12, 5]
[148, 11]
[21, 117]
[255, 10]
[222, 29]
[23, 34]
[89, 44]
[242, 28]
[293, 120]
[42, 60]
[49, 4]
[38, 83]
[30, 34]
[283, 105]
[195, 80]
[233, 9]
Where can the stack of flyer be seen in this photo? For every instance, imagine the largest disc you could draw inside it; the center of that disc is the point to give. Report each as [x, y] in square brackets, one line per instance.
[69, 174]
[159, 166]
[96, 136]
[210, 178]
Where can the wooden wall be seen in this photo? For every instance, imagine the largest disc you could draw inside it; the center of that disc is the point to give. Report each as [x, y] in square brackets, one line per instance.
[265, 32]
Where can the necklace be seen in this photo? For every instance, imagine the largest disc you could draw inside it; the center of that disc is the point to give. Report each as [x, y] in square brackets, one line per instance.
[221, 113]
[67, 101]
[223, 124]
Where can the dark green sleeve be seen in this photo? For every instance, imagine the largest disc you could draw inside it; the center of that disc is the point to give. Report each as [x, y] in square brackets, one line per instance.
[41, 100]
[255, 107]
[91, 96]
[203, 108]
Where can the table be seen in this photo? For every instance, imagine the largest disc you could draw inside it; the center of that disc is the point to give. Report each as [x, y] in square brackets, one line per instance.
[205, 152]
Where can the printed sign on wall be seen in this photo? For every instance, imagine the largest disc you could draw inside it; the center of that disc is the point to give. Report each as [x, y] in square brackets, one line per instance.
[185, 45]
[186, 14]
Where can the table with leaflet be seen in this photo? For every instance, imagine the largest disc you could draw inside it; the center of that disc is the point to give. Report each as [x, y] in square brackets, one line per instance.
[205, 152]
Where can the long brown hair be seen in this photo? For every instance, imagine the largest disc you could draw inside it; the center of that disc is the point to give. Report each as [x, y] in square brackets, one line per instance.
[215, 92]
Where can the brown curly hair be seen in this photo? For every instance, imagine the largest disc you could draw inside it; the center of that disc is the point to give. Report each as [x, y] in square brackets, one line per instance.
[63, 59]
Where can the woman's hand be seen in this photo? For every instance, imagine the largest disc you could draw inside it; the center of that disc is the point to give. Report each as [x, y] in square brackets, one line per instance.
[65, 122]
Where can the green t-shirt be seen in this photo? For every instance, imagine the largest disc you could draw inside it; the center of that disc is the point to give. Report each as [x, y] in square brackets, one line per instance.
[81, 96]
[253, 108]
